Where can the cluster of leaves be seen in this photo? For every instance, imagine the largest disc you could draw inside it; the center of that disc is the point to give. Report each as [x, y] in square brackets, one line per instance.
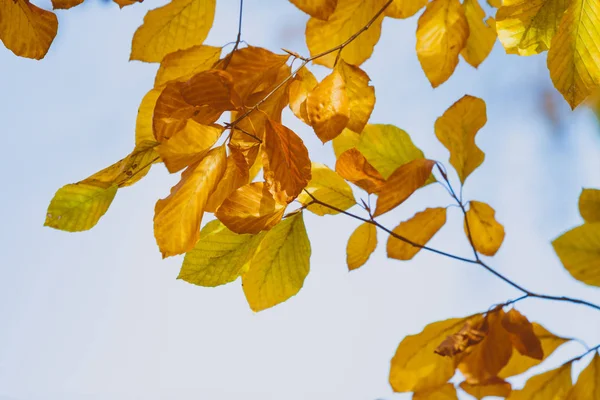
[218, 119]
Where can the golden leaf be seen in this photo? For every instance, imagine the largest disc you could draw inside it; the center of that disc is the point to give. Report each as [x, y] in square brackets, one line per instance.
[327, 107]
[212, 88]
[285, 162]
[345, 141]
[589, 205]
[554, 384]
[250, 209]
[177, 218]
[574, 56]
[486, 233]
[348, 18]
[361, 245]
[236, 175]
[419, 229]
[456, 129]
[402, 183]
[219, 257]
[143, 123]
[26, 30]
[124, 3]
[65, 4]
[446, 391]
[181, 65]
[354, 167]
[303, 83]
[280, 265]
[521, 335]
[361, 96]
[494, 387]
[588, 382]
[327, 186]
[526, 27]
[441, 35]
[472, 333]
[495, 3]
[178, 25]
[482, 36]
[320, 9]
[579, 252]
[404, 8]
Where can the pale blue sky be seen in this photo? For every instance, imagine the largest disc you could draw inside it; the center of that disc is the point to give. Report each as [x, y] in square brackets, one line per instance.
[99, 315]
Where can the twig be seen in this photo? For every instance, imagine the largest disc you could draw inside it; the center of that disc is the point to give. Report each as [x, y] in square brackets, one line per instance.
[239, 36]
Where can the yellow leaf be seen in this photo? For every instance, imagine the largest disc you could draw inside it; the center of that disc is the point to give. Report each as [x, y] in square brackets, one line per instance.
[579, 252]
[327, 107]
[441, 35]
[320, 9]
[348, 18]
[328, 187]
[361, 245]
[495, 3]
[589, 205]
[78, 207]
[472, 333]
[526, 27]
[521, 335]
[219, 257]
[519, 363]
[178, 25]
[235, 176]
[588, 382]
[250, 209]
[404, 8]
[419, 229]
[26, 30]
[177, 218]
[181, 65]
[415, 366]
[402, 183]
[280, 265]
[345, 141]
[303, 83]
[446, 391]
[495, 387]
[487, 234]
[143, 123]
[285, 162]
[456, 129]
[355, 168]
[554, 384]
[65, 4]
[574, 56]
[481, 35]
[189, 145]
[387, 148]
[361, 96]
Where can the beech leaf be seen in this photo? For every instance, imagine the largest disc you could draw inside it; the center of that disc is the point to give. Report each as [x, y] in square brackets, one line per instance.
[327, 186]
[361, 245]
[579, 252]
[419, 229]
[486, 233]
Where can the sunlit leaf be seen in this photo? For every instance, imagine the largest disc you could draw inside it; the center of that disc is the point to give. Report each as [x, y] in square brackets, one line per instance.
[554, 384]
[219, 257]
[212, 88]
[404, 8]
[579, 252]
[327, 107]
[361, 245]
[236, 175]
[177, 218]
[143, 123]
[402, 183]
[361, 96]
[181, 65]
[320, 9]
[65, 4]
[26, 30]
[303, 83]
[495, 387]
[345, 141]
[419, 229]
[456, 129]
[521, 334]
[588, 382]
[486, 233]
[589, 205]
[482, 36]
[446, 391]
[327, 186]
[280, 265]
[355, 168]
[441, 35]
[574, 56]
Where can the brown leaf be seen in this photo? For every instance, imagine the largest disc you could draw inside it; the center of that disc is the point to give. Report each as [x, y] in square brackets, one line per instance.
[354, 167]
[521, 334]
[472, 333]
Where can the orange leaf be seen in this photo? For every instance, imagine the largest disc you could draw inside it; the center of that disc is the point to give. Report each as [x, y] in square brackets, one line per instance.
[361, 245]
[303, 83]
[181, 65]
[361, 96]
[124, 3]
[65, 4]
[472, 333]
[419, 229]
[494, 387]
[327, 107]
[320, 9]
[235, 176]
[402, 183]
[521, 335]
[354, 167]
[250, 209]
[212, 88]
[487, 234]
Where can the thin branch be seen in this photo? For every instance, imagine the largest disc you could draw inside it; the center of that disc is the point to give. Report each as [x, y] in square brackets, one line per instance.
[239, 36]
[595, 348]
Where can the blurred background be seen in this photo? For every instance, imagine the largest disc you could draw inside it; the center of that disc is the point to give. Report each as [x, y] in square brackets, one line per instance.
[99, 315]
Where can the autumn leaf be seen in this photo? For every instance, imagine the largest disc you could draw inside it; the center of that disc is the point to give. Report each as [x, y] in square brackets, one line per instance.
[327, 107]
[486, 234]
[181, 65]
[143, 123]
[347, 19]
[321, 9]
[442, 34]
[482, 36]
[178, 25]
[361, 96]
[494, 387]
[279, 266]
[124, 3]
[361, 245]
[211, 88]
[521, 335]
[65, 4]
[579, 252]
[588, 382]
[250, 209]
[235, 176]
[345, 141]
[327, 186]
[404, 8]
[26, 30]
[402, 183]
[354, 167]
[554, 384]
[472, 333]
[446, 391]
[177, 218]
[219, 257]
[589, 205]
[574, 56]
[456, 129]
[303, 83]
[419, 229]
[526, 27]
